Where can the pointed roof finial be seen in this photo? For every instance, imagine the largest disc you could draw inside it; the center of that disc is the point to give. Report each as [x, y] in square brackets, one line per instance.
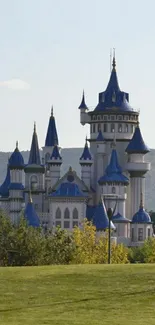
[30, 197]
[52, 110]
[35, 127]
[114, 60]
[16, 144]
[141, 201]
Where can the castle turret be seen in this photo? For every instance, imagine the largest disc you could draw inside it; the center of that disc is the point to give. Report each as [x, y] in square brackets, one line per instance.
[51, 138]
[83, 111]
[86, 163]
[55, 162]
[114, 184]
[137, 168]
[100, 218]
[16, 166]
[34, 174]
[31, 215]
[141, 226]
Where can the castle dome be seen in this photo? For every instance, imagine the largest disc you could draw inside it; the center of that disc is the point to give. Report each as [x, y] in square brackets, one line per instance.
[16, 160]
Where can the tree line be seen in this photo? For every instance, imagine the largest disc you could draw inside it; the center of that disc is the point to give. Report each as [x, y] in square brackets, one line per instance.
[22, 245]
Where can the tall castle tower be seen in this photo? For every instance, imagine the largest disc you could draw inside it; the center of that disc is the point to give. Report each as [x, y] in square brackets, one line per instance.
[114, 117]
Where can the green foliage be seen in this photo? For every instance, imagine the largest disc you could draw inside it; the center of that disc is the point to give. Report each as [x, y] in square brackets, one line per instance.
[59, 247]
[91, 248]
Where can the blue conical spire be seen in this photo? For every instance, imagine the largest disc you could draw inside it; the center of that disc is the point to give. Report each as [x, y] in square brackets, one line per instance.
[86, 155]
[31, 215]
[55, 153]
[83, 104]
[100, 218]
[113, 172]
[137, 144]
[113, 85]
[51, 137]
[100, 136]
[113, 96]
[34, 157]
[4, 188]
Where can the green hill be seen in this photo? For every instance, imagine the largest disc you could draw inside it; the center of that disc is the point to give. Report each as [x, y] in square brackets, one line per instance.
[78, 295]
[71, 158]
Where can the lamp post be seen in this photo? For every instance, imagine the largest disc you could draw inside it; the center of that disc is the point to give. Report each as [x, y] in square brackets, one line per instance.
[110, 213]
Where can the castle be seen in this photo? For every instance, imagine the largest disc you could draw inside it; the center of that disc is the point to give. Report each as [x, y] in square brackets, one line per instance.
[113, 170]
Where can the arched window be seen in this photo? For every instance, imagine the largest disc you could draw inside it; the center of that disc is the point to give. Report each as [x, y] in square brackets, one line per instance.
[93, 128]
[119, 128]
[104, 127]
[113, 190]
[34, 182]
[99, 127]
[66, 214]
[112, 127]
[126, 128]
[47, 157]
[75, 213]
[58, 214]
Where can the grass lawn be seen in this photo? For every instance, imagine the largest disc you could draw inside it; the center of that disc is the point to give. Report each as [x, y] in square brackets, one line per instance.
[87, 294]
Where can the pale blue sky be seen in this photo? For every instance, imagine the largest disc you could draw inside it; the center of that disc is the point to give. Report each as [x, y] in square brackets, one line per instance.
[59, 47]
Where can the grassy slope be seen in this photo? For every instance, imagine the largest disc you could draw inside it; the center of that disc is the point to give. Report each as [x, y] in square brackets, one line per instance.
[94, 295]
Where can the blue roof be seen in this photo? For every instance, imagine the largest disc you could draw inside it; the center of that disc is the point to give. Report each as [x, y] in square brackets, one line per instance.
[68, 189]
[4, 188]
[100, 218]
[141, 216]
[137, 144]
[100, 136]
[113, 172]
[90, 212]
[31, 215]
[83, 104]
[16, 186]
[119, 218]
[55, 154]
[34, 157]
[16, 160]
[51, 137]
[113, 97]
[86, 155]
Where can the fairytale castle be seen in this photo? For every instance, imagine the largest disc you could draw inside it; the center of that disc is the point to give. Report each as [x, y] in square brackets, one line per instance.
[113, 169]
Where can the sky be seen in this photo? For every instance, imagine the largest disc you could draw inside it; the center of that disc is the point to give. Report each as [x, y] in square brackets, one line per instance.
[50, 50]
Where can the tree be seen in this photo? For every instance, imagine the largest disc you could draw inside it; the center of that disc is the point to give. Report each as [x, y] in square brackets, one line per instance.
[92, 248]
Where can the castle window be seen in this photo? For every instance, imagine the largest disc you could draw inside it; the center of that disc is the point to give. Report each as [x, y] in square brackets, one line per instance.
[119, 128]
[75, 214]
[34, 182]
[104, 127]
[66, 214]
[113, 190]
[66, 224]
[120, 117]
[94, 117]
[98, 117]
[58, 224]
[105, 117]
[58, 214]
[140, 234]
[112, 128]
[148, 232]
[75, 224]
[93, 128]
[112, 118]
[47, 157]
[99, 127]
[126, 128]
[132, 234]
[131, 128]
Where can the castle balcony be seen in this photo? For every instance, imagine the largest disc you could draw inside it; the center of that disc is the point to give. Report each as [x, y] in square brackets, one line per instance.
[138, 166]
[34, 189]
